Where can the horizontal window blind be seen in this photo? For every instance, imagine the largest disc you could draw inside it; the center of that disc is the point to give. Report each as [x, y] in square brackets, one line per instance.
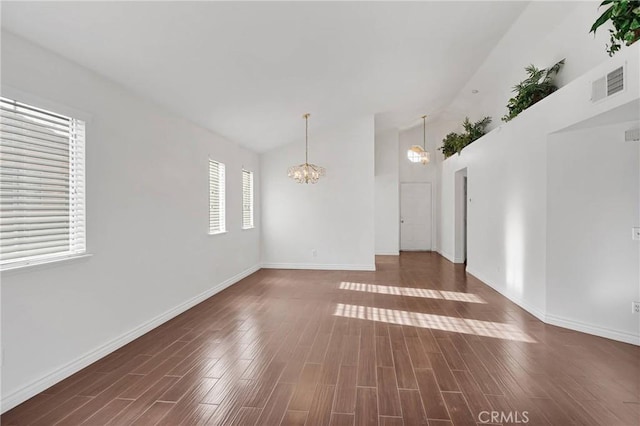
[42, 184]
[216, 197]
[247, 199]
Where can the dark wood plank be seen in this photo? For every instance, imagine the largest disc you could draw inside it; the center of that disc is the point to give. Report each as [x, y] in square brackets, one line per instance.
[345, 399]
[384, 355]
[388, 399]
[108, 412]
[391, 421]
[303, 394]
[276, 406]
[295, 418]
[154, 414]
[458, 409]
[338, 419]
[367, 358]
[320, 410]
[446, 381]
[366, 407]
[412, 411]
[431, 396]
[247, 416]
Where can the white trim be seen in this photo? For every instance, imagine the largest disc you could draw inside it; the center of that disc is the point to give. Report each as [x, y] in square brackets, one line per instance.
[533, 310]
[14, 398]
[447, 256]
[583, 327]
[41, 263]
[318, 266]
[388, 253]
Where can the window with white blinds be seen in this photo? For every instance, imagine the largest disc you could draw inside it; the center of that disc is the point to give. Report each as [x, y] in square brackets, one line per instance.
[247, 199]
[216, 197]
[42, 185]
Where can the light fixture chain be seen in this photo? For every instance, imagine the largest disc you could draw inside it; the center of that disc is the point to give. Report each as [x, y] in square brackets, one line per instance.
[424, 132]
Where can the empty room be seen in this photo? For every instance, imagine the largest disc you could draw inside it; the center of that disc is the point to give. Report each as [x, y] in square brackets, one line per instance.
[320, 213]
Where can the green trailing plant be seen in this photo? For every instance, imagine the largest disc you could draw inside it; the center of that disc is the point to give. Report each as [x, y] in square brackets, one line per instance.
[537, 86]
[625, 18]
[454, 142]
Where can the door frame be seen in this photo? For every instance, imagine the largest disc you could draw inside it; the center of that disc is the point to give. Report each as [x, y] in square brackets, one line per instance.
[433, 215]
[461, 216]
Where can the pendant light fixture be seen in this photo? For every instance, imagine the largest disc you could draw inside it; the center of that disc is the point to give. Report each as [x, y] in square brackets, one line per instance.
[306, 173]
[417, 153]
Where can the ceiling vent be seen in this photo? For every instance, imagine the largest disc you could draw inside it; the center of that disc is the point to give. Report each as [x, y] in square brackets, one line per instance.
[608, 85]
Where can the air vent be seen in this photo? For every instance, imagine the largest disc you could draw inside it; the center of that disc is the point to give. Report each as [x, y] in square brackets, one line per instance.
[632, 135]
[615, 81]
[609, 85]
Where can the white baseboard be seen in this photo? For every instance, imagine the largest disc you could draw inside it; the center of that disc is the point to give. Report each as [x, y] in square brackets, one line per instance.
[16, 397]
[556, 320]
[320, 266]
[388, 253]
[608, 333]
[533, 310]
[447, 256]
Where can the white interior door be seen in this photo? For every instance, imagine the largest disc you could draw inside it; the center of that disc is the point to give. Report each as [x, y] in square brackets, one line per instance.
[415, 216]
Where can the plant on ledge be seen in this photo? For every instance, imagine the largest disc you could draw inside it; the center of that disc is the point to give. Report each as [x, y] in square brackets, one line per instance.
[455, 142]
[537, 86]
[625, 17]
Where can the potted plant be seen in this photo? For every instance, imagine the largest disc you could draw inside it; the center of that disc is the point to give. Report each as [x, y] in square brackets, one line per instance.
[625, 17]
[455, 142]
[537, 86]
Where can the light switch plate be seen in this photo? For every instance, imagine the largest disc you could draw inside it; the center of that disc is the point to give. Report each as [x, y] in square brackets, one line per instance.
[635, 234]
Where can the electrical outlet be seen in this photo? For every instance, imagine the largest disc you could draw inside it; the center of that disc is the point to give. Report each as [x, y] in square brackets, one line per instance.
[314, 253]
[635, 307]
[635, 234]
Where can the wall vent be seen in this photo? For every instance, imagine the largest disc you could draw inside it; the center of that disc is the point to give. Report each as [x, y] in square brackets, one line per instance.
[632, 135]
[608, 85]
[615, 81]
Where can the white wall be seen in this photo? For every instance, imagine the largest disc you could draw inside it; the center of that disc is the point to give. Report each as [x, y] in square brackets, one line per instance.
[387, 212]
[592, 262]
[333, 218]
[147, 215]
[543, 34]
[509, 203]
[506, 209]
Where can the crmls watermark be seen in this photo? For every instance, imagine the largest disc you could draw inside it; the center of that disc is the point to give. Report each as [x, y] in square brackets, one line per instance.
[503, 417]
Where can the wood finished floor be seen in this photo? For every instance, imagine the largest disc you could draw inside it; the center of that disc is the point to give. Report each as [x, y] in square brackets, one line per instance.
[418, 342]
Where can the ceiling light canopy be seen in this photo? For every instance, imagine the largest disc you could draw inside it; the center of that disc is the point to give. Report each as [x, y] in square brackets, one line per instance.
[417, 153]
[306, 172]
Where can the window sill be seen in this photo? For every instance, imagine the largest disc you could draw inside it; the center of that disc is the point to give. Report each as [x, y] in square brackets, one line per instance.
[250, 227]
[218, 233]
[43, 263]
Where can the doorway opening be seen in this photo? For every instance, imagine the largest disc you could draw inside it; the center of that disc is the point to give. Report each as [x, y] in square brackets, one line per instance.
[415, 216]
[461, 212]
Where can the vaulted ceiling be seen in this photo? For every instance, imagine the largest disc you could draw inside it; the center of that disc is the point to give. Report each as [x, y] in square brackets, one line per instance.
[249, 70]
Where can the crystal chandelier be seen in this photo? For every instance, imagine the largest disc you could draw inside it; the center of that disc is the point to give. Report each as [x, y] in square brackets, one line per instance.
[306, 173]
[417, 153]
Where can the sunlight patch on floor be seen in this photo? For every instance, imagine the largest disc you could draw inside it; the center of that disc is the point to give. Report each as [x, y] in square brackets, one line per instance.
[437, 322]
[412, 292]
